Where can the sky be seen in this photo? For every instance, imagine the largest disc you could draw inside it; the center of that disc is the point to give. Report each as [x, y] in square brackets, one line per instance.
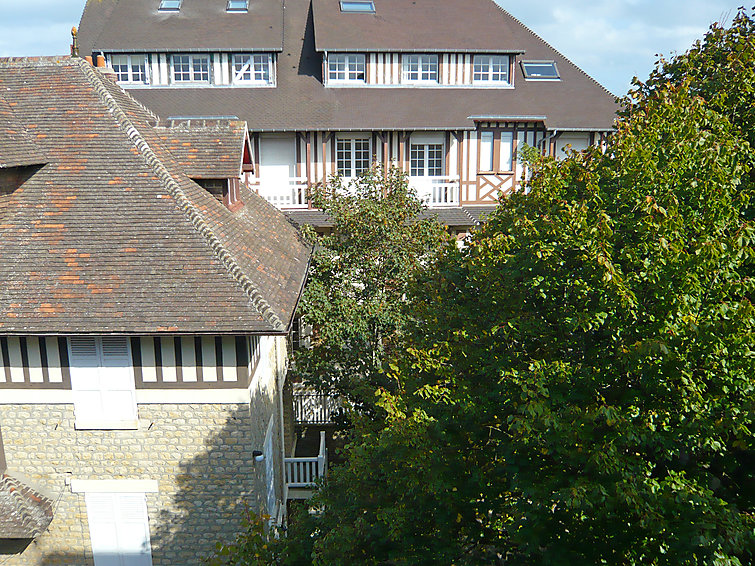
[611, 40]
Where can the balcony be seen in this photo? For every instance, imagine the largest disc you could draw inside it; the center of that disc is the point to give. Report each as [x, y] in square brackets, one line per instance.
[436, 191]
[285, 193]
[303, 472]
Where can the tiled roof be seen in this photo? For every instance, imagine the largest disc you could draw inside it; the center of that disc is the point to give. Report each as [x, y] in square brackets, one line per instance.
[24, 513]
[205, 150]
[458, 217]
[300, 102]
[111, 235]
[200, 25]
[17, 149]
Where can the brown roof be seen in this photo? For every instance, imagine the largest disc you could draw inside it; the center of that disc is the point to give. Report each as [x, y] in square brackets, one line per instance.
[301, 102]
[17, 149]
[200, 25]
[420, 25]
[207, 149]
[112, 235]
[24, 512]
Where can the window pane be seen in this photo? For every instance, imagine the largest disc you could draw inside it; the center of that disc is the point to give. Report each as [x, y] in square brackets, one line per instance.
[486, 151]
[343, 157]
[540, 69]
[417, 160]
[201, 68]
[120, 66]
[364, 6]
[361, 156]
[435, 160]
[181, 68]
[262, 68]
[242, 68]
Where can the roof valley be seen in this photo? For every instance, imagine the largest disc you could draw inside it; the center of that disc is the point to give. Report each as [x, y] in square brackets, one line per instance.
[182, 201]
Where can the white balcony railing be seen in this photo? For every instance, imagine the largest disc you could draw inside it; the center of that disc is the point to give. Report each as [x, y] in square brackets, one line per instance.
[436, 191]
[313, 408]
[285, 195]
[303, 472]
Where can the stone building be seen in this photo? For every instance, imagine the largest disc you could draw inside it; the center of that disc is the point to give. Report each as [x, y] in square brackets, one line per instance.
[143, 326]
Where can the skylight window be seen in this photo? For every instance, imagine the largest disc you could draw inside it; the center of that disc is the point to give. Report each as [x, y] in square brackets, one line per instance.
[540, 70]
[358, 7]
[237, 6]
[170, 5]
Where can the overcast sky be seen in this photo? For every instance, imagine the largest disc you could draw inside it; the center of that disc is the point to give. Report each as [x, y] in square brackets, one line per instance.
[612, 40]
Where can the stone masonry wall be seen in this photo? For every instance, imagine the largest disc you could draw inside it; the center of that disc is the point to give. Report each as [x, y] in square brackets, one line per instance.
[200, 454]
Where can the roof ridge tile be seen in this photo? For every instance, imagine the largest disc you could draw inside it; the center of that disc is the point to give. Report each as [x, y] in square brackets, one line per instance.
[182, 201]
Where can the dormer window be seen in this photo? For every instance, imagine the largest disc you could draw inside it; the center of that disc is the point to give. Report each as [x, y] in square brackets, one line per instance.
[237, 6]
[130, 68]
[346, 67]
[170, 5]
[190, 68]
[540, 70]
[358, 7]
[420, 68]
[252, 68]
[491, 69]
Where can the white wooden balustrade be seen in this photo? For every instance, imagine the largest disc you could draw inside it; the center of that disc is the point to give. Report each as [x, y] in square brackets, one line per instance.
[303, 472]
[285, 193]
[436, 191]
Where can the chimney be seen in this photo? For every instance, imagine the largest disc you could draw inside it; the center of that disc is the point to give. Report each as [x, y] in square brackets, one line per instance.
[100, 61]
[74, 42]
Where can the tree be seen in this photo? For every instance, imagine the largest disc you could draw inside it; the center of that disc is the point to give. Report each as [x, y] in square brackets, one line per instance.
[355, 295]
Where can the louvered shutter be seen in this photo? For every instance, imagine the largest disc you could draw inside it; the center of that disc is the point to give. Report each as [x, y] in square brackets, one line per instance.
[119, 529]
[85, 379]
[103, 529]
[117, 379]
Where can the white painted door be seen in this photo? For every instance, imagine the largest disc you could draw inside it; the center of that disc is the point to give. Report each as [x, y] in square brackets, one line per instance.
[119, 529]
[277, 169]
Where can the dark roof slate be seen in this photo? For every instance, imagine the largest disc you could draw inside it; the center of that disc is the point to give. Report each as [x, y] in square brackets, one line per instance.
[200, 25]
[111, 236]
[300, 102]
[418, 26]
[24, 512]
[207, 151]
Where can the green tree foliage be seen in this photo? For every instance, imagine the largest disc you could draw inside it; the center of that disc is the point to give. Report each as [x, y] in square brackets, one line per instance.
[355, 295]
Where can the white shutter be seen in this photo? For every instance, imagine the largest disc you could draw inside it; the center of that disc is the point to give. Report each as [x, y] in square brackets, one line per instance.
[268, 451]
[102, 380]
[507, 151]
[119, 529]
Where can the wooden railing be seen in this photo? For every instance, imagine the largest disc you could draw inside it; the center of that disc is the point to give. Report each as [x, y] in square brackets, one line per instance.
[313, 408]
[282, 195]
[303, 472]
[436, 191]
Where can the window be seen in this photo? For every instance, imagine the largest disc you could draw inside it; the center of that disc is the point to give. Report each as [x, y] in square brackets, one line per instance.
[420, 68]
[130, 68]
[191, 68]
[102, 380]
[358, 7]
[119, 529]
[346, 67]
[540, 70]
[352, 156]
[491, 69]
[505, 158]
[426, 160]
[170, 5]
[237, 6]
[252, 68]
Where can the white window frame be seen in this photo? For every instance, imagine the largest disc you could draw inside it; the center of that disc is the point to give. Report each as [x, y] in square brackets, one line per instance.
[118, 523]
[420, 165]
[419, 68]
[130, 64]
[484, 70]
[102, 383]
[252, 68]
[194, 69]
[487, 145]
[346, 146]
[349, 65]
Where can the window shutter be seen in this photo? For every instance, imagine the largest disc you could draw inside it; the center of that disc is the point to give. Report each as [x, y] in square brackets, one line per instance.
[507, 151]
[119, 529]
[85, 378]
[117, 379]
[486, 151]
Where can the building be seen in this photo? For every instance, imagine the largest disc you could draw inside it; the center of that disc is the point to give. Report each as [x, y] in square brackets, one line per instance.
[446, 90]
[144, 320]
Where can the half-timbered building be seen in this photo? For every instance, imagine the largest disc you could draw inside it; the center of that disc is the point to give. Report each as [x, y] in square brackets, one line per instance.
[146, 299]
[446, 90]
